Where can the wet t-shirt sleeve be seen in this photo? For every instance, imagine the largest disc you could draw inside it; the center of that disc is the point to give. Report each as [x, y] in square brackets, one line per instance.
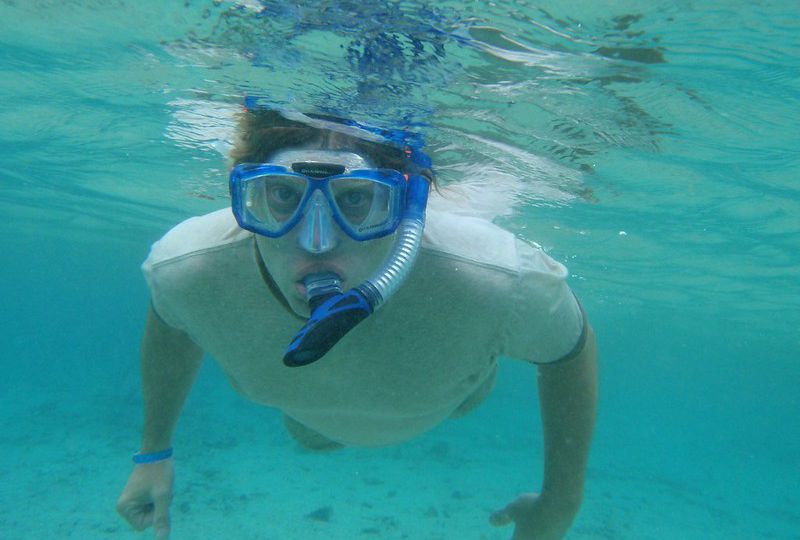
[545, 322]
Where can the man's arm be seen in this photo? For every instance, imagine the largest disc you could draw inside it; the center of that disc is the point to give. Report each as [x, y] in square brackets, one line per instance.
[170, 361]
[568, 402]
[169, 365]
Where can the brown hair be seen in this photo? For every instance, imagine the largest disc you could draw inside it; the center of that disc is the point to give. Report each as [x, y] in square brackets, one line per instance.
[262, 132]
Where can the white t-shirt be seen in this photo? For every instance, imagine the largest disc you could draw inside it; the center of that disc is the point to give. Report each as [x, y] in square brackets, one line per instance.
[476, 292]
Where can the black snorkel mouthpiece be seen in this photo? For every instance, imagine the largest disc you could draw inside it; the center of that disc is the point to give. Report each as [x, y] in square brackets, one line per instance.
[333, 314]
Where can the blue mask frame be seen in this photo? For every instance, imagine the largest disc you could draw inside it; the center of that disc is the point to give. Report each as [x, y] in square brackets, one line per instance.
[244, 173]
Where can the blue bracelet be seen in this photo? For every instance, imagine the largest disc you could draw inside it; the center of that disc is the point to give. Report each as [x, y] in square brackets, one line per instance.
[152, 457]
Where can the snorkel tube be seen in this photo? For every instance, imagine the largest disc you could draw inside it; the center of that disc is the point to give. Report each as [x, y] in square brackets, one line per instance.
[334, 313]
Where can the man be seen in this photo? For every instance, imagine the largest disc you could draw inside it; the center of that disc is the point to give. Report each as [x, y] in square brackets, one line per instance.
[284, 293]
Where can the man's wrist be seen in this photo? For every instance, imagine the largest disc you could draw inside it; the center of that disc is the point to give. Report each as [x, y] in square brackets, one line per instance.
[155, 442]
[561, 501]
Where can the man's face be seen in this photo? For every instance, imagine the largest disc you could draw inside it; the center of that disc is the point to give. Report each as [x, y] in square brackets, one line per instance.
[289, 262]
[296, 255]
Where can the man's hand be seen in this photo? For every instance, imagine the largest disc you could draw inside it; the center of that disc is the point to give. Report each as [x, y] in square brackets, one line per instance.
[535, 518]
[147, 495]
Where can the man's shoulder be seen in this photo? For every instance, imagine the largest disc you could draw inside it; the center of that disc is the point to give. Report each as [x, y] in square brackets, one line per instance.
[198, 235]
[479, 241]
[197, 265]
[472, 239]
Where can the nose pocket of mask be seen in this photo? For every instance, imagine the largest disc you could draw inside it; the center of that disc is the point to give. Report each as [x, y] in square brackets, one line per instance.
[317, 234]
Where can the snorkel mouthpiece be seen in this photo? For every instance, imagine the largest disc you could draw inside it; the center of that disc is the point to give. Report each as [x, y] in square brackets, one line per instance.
[333, 314]
[319, 287]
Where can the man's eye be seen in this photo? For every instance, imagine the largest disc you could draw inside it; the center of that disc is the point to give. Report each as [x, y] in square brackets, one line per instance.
[354, 198]
[283, 195]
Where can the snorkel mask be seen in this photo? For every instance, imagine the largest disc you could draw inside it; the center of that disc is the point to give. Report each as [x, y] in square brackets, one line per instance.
[314, 189]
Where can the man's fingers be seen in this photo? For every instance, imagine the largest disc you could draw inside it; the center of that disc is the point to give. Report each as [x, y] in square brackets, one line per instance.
[510, 513]
[161, 516]
[501, 517]
[139, 515]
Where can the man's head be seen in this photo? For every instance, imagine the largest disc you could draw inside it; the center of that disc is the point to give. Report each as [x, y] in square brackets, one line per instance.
[326, 230]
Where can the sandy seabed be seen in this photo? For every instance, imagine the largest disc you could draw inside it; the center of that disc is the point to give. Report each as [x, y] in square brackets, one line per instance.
[239, 475]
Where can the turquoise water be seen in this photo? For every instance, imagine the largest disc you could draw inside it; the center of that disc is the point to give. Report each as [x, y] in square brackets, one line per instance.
[651, 147]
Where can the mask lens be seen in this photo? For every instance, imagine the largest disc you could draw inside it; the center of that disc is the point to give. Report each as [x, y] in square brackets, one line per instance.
[366, 205]
[273, 199]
